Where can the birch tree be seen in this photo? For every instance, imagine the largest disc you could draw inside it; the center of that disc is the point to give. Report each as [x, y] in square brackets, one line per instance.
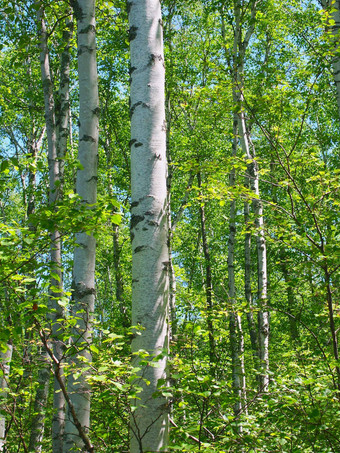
[85, 252]
[332, 7]
[241, 42]
[149, 225]
[62, 122]
[5, 364]
[57, 134]
[37, 429]
[235, 321]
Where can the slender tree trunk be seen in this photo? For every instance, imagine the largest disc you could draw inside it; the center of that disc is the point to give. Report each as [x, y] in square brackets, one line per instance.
[240, 45]
[334, 30]
[172, 276]
[40, 404]
[294, 332]
[5, 364]
[208, 277]
[332, 325]
[149, 223]
[37, 426]
[119, 284]
[57, 133]
[63, 100]
[263, 314]
[235, 322]
[247, 284]
[62, 130]
[118, 275]
[85, 252]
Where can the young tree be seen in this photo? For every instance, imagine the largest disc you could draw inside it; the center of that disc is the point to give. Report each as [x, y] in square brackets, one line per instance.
[242, 37]
[5, 363]
[149, 225]
[85, 252]
[332, 8]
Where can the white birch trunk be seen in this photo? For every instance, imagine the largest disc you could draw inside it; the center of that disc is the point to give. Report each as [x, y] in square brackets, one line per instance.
[57, 142]
[85, 252]
[247, 283]
[263, 314]
[207, 279]
[336, 58]
[172, 275]
[62, 130]
[149, 224]
[40, 403]
[335, 38]
[5, 364]
[235, 322]
[240, 46]
[63, 105]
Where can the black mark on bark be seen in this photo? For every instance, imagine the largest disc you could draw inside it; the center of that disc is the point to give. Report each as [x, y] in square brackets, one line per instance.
[154, 58]
[87, 138]
[88, 29]
[137, 104]
[135, 219]
[132, 33]
[140, 248]
[152, 223]
[83, 49]
[166, 265]
[80, 290]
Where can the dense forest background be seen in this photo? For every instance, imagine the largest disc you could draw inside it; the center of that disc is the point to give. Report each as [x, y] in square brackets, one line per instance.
[252, 118]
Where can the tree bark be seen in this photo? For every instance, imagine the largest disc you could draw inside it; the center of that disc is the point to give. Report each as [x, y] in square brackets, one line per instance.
[40, 404]
[63, 132]
[240, 45]
[5, 364]
[332, 325]
[235, 322]
[334, 31]
[208, 276]
[85, 251]
[247, 284]
[149, 224]
[37, 426]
